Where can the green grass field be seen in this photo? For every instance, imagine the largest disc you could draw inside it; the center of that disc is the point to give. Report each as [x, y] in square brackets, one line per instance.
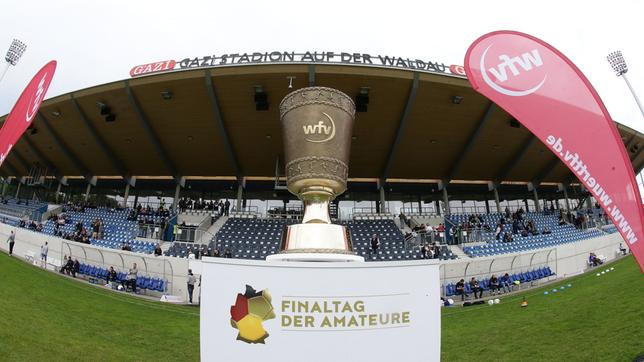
[47, 317]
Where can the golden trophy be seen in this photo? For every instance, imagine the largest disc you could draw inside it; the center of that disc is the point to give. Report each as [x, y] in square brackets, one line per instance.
[317, 125]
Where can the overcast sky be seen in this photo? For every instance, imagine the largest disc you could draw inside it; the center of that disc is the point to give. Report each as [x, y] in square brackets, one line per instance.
[97, 42]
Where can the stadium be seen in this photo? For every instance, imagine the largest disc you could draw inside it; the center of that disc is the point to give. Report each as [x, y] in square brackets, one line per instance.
[428, 153]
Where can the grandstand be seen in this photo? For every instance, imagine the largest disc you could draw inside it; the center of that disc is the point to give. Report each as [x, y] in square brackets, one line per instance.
[227, 151]
[12, 210]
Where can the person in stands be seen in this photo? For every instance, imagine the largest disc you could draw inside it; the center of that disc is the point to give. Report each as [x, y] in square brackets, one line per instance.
[228, 254]
[191, 284]
[227, 207]
[494, 285]
[157, 250]
[622, 249]
[375, 243]
[476, 288]
[131, 277]
[460, 289]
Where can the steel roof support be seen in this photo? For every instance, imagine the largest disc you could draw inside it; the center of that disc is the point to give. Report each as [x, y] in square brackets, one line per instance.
[68, 152]
[545, 171]
[219, 120]
[402, 125]
[120, 167]
[516, 159]
[636, 154]
[152, 135]
[311, 75]
[22, 160]
[456, 165]
[12, 169]
[44, 160]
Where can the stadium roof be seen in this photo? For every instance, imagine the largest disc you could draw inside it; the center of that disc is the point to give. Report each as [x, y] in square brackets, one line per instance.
[203, 123]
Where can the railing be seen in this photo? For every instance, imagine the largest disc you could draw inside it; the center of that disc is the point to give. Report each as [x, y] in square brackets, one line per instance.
[411, 210]
[369, 210]
[193, 235]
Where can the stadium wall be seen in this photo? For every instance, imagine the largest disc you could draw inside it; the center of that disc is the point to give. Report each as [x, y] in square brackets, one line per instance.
[173, 270]
[565, 260]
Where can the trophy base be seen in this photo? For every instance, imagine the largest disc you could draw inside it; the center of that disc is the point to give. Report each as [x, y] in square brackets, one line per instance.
[316, 242]
[315, 257]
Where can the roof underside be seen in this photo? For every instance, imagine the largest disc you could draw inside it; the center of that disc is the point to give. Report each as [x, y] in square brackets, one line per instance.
[183, 136]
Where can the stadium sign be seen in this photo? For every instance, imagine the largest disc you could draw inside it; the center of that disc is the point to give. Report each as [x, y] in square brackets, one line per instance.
[282, 311]
[314, 57]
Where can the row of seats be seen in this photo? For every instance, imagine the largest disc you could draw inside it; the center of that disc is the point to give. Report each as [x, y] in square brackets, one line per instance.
[184, 249]
[117, 229]
[539, 242]
[524, 277]
[154, 284]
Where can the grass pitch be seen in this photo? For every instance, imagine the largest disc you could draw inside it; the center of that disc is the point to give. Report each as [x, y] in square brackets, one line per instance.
[46, 317]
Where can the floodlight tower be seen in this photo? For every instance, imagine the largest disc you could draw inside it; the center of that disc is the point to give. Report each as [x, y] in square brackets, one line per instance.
[16, 49]
[618, 63]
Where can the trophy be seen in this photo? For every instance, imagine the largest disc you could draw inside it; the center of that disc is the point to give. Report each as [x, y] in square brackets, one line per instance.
[316, 128]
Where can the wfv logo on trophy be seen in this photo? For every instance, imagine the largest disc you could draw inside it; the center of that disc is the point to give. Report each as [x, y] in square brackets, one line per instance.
[321, 129]
[514, 76]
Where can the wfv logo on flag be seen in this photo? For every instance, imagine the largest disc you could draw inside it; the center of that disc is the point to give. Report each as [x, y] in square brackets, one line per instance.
[526, 61]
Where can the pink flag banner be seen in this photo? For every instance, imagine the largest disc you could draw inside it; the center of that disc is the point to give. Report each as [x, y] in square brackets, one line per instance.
[551, 97]
[25, 109]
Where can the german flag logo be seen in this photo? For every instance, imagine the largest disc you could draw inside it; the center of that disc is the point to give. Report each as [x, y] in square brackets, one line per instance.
[249, 311]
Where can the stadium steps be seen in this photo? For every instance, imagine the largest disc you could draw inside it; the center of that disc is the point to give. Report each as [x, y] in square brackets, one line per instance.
[214, 228]
[458, 251]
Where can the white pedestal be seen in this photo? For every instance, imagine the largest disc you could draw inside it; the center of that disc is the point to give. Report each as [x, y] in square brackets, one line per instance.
[318, 257]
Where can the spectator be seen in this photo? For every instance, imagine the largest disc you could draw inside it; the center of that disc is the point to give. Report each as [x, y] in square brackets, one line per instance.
[507, 238]
[76, 268]
[226, 207]
[69, 267]
[12, 241]
[494, 285]
[131, 277]
[594, 260]
[427, 252]
[506, 283]
[63, 265]
[191, 284]
[498, 230]
[474, 285]
[157, 250]
[546, 230]
[375, 243]
[403, 220]
[460, 289]
[112, 276]
[437, 250]
[622, 249]
[228, 254]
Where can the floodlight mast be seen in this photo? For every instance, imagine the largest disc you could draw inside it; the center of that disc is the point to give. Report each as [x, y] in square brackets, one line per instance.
[16, 49]
[616, 60]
